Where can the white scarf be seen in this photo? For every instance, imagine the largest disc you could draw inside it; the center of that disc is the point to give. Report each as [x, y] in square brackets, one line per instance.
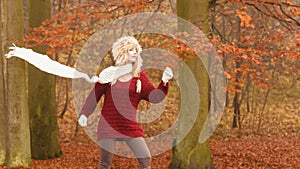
[44, 63]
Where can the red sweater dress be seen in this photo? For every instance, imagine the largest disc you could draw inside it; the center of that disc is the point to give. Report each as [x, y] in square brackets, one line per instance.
[118, 116]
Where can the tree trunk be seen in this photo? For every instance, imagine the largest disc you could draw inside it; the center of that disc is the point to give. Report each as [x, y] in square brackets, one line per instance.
[41, 92]
[2, 96]
[189, 153]
[236, 121]
[15, 135]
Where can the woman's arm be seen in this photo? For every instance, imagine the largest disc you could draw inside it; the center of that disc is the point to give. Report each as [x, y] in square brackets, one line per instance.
[151, 93]
[93, 99]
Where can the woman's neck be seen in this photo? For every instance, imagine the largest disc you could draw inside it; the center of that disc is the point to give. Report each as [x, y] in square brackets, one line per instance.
[125, 77]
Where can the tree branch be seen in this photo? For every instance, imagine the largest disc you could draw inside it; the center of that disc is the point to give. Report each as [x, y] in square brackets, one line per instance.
[280, 3]
[293, 19]
[220, 34]
[171, 4]
[158, 6]
[282, 22]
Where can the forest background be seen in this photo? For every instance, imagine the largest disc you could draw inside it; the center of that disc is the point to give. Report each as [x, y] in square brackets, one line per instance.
[258, 45]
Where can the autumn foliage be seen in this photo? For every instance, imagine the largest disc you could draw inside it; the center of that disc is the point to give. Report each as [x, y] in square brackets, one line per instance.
[258, 44]
[254, 38]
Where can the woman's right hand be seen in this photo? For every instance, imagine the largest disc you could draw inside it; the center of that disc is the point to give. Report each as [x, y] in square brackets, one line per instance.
[82, 121]
[167, 75]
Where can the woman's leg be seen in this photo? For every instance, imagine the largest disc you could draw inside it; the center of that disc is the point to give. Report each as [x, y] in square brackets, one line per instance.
[141, 151]
[107, 147]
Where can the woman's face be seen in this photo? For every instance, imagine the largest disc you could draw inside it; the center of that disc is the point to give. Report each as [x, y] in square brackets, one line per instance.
[133, 54]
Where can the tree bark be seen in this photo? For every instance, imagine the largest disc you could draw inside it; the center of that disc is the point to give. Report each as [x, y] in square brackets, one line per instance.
[41, 92]
[2, 96]
[15, 135]
[189, 153]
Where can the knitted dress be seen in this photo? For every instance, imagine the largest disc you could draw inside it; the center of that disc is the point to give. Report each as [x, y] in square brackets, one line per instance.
[118, 115]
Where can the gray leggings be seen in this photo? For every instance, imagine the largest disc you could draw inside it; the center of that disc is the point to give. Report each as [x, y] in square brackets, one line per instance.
[137, 145]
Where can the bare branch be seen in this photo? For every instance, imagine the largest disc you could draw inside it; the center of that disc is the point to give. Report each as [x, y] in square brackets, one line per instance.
[293, 19]
[159, 5]
[283, 22]
[280, 3]
[171, 4]
[220, 34]
[152, 1]
[270, 14]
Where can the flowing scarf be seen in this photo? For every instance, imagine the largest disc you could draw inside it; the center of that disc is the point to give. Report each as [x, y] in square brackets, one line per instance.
[45, 64]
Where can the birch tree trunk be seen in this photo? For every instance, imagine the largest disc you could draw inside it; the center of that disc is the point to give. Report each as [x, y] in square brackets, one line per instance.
[15, 135]
[41, 92]
[189, 153]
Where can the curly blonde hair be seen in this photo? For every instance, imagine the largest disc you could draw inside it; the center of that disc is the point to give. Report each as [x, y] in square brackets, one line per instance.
[120, 52]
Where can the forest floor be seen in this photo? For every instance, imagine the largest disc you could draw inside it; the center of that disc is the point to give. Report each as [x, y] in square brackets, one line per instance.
[238, 150]
[275, 144]
[245, 153]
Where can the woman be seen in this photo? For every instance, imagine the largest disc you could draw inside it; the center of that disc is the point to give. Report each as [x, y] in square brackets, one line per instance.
[122, 96]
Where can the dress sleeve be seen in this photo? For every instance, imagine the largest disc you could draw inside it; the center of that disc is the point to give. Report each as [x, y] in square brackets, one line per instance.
[93, 99]
[150, 93]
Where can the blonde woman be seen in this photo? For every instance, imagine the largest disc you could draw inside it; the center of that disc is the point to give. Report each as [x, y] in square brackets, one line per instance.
[122, 96]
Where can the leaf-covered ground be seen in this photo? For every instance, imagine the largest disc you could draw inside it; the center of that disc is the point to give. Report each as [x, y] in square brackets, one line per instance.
[257, 152]
[276, 145]
[247, 152]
